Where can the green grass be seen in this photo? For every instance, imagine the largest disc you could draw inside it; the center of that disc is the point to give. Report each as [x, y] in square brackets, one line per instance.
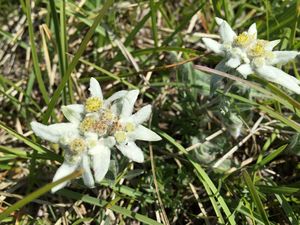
[154, 46]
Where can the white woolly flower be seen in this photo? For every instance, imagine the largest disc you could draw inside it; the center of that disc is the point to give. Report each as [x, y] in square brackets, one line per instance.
[85, 138]
[93, 129]
[129, 128]
[233, 47]
[262, 61]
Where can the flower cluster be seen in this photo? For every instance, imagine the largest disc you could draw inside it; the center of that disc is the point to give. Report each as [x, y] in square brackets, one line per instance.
[93, 129]
[247, 54]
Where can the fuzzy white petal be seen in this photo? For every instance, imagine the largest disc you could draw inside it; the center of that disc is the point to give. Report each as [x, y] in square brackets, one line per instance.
[283, 57]
[73, 112]
[271, 44]
[52, 132]
[213, 45]
[100, 161]
[87, 176]
[95, 88]
[64, 170]
[142, 115]
[116, 107]
[252, 30]
[219, 21]
[109, 141]
[245, 70]
[115, 96]
[132, 151]
[276, 75]
[233, 62]
[226, 32]
[128, 103]
[144, 134]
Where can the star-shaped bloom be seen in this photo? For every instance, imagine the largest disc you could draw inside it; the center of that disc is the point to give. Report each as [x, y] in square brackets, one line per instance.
[85, 137]
[129, 128]
[93, 129]
[233, 47]
[262, 60]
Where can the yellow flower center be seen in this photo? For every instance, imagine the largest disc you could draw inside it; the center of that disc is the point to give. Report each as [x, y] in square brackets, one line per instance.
[129, 127]
[77, 145]
[108, 115]
[257, 50]
[93, 104]
[120, 136]
[87, 124]
[243, 39]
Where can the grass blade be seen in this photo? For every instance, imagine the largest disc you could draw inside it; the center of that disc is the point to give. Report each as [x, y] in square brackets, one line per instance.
[153, 21]
[39, 149]
[272, 155]
[115, 208]
[256, 197]
[75, 60]
[294, 103]
[204, 178]
[36, 194]
[36, 64]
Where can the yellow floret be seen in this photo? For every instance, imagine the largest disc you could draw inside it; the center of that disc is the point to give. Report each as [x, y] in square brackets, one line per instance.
[108, 115]
[93, 104]
[243, 39]
[77, 145]
[120, 136]
[257, 50]
[129, 127]
[87, 124]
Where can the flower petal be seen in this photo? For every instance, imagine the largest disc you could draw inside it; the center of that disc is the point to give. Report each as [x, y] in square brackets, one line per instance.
[219, 21]
[73, 112]
[132, 151]
[64, 170]
[213, 45]
[271, 44]
[225, 30]
[276, 75]
[95, 88]
[100, 161]
[116, 107]
[142, 115]
[52, 132]
[115, 96]
[245, 70]
[252, 30]
[128, 103]
[233, 62]
[109, 141]
[87, 176]
[144, 134]
[283, 57]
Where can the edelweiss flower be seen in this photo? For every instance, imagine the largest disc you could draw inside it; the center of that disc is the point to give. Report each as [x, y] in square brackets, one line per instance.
[93, 129]
[233, 47]
[250, 55]
[262, 60]
[129, 128]
[85, 135]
